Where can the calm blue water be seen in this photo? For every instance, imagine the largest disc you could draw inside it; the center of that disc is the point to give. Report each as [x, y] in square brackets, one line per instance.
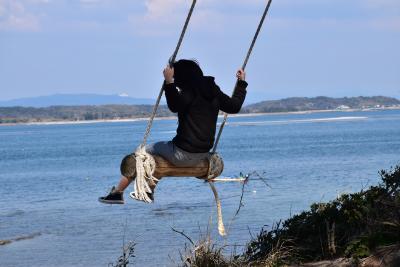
[52, 175]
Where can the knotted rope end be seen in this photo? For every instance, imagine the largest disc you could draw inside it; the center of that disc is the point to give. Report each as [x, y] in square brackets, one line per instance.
[145, 167]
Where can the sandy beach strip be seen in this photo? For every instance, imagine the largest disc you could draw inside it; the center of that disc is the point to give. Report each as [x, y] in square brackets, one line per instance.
[174, 117]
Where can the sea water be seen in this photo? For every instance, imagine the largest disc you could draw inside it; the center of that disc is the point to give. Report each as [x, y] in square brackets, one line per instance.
[52, 175]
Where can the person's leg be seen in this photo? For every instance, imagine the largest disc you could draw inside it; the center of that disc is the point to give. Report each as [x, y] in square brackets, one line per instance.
[159, 148]
[166, 150]
[175, 155]
[128, 171]
[124, 182]
[128, 174]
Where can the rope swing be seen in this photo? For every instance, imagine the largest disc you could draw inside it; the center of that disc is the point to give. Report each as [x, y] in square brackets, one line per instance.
[145, 164]
[253, 42]
[221, 227]
[171, 61]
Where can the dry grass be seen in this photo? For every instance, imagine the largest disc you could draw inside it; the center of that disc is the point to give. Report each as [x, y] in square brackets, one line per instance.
[279, 255]
[206, 253]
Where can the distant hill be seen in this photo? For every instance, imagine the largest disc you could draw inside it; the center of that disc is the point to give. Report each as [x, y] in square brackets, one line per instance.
[75, 100]
[321, 103]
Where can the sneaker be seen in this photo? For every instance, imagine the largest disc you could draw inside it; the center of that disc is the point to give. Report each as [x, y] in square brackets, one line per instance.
[114, 197]
[150, 195]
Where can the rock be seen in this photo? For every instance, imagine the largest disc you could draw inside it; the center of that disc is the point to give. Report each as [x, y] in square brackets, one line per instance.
[5, 242]
[387, 256]
[383, 257]
[341, 262]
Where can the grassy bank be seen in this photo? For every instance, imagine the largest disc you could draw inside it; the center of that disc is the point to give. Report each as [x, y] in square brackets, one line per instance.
[351, 228]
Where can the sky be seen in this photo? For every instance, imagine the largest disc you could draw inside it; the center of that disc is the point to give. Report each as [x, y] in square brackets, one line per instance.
[306, 47]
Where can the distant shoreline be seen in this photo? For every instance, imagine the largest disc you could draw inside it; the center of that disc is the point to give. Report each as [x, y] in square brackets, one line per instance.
[66, 122]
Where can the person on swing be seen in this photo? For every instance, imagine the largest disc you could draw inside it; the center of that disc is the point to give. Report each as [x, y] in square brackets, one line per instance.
[197, 99]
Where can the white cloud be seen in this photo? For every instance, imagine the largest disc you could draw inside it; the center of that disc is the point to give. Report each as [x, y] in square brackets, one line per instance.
[163, 17]
[92, 3]
[39, 1]
[157, 9]
[160, 18]
[15, 16]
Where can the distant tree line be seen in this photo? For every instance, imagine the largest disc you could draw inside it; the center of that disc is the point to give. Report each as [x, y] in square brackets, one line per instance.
[114, 112]
[321, 103]
[78, 113]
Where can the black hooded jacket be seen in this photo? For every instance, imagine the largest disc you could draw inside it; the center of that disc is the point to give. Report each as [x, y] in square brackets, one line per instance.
[198, 112]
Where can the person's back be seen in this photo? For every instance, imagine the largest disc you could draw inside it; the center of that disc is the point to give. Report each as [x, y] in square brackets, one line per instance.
[197, 100]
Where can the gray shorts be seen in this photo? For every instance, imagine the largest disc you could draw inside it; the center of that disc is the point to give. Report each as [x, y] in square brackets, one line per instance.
[175, 155]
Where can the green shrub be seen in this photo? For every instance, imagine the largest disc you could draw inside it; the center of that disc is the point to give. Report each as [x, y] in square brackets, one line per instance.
[353, 225]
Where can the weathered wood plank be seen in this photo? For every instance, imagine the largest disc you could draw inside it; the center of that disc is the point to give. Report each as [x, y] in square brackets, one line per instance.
[166, 169]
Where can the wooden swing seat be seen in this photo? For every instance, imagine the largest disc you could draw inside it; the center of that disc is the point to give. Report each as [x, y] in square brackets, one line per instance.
[165, 169]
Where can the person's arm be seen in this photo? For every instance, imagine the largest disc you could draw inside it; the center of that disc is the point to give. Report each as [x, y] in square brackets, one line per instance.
[177, 100]
[233, 104]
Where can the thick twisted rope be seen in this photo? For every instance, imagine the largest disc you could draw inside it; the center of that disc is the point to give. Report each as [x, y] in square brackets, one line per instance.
[145, 180]
[253, 42]
[221, 228]
[145, 164]
[171, 61]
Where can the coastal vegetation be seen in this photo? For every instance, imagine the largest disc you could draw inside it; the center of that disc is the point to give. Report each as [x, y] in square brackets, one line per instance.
[116, 112]
[358, 229]
[322, 103]
[77, 113]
